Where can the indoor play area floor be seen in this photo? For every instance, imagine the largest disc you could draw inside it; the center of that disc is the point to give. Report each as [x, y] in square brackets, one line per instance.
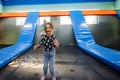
[71, 64]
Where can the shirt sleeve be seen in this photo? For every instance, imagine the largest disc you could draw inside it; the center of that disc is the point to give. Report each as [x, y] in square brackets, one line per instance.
[41, 42]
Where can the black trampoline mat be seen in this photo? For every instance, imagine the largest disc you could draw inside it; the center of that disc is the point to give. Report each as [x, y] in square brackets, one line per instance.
[71, 64]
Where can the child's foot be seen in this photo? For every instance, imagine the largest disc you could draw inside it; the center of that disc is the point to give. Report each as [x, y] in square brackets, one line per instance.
[43, 78]
[54, 78]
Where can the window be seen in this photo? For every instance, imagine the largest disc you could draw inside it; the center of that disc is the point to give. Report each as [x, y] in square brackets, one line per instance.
[20, 20]
[91, 19]
[41, 19]
[65, 20]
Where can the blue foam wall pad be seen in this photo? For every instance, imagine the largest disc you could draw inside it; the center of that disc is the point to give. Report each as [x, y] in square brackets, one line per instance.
[86, 42]
[24, 42]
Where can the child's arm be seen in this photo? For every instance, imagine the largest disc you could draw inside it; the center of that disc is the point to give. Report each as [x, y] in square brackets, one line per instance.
[56, 43]
[36, 46]
[40, 44]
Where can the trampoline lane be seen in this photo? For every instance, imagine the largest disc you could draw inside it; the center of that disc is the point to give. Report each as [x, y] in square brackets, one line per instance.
[71, 64]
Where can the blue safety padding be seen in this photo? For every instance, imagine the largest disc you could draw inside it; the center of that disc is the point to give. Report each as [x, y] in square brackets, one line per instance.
[118, 13]
[28, 30]
[24, 42]
[43, 2]
[86, 42]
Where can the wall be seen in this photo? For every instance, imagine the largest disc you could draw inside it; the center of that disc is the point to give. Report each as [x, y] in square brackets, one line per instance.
[56, 5]
[60, 7]
[106, 31]
[117, 4]
[9, 32]
[63, 33]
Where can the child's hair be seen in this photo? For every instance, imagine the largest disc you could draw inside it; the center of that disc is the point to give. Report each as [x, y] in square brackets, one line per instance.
[48, 23]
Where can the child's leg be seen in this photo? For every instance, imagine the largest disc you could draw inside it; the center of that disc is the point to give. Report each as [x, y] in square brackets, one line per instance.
[52, 63]
[51, 66]
[45, 64]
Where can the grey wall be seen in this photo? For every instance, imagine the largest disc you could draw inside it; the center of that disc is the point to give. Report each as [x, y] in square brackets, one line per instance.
[106, 31]
[9, 32]
[63, 33]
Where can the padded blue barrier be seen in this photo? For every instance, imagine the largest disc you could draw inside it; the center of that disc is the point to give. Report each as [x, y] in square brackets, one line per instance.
[86, 42]
[24, 42]
[118, 13]
[43, 2]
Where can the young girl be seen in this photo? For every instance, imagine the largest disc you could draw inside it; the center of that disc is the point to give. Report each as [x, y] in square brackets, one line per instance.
[49, 42]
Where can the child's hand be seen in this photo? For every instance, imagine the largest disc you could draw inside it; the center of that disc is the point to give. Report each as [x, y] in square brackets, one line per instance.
[36, 46]
[56, 43]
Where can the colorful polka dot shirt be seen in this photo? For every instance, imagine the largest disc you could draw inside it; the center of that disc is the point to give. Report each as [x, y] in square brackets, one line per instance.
[47, 42]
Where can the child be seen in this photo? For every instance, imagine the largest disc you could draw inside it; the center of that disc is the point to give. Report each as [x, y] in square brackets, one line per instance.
[49, 42]
[42, 28]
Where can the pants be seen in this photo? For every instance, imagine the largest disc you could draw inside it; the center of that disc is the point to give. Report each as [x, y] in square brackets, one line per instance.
[49, 58]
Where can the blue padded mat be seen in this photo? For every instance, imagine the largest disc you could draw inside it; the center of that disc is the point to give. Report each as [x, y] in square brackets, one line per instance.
[24, 42]
[86, 42]
[118, 13]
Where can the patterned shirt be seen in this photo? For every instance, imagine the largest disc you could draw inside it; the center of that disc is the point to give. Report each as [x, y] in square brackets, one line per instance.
[47, 42]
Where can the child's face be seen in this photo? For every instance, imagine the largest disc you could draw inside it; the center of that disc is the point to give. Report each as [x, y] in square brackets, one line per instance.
[48, 29]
